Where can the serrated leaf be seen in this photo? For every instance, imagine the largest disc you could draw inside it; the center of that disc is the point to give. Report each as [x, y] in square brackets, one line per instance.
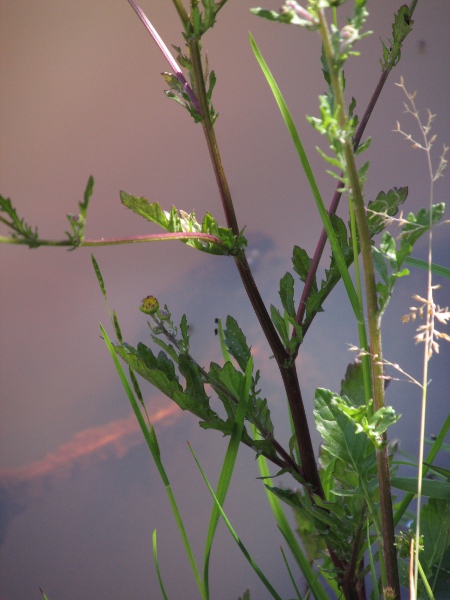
[301, 263]
[287, 294]
[338, 432]
[195, 383]
[418, 225]
[180, 221]
[280, 324]
[99, 276]
[144, 362]
[400, 29]
[141, 206]
[19, 229]
[272, 15]
[227, 377]
[352, 385]
[236, 343]
[384, 203]
[184, 328]
[78, 222]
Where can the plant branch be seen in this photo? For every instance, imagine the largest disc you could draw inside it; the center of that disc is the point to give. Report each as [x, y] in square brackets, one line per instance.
[286, 367]
[155, 237]
[355, 192]
[337, 194]
[167, 54]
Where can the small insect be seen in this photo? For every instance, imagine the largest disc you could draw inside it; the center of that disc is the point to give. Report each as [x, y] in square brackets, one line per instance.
[422, 46]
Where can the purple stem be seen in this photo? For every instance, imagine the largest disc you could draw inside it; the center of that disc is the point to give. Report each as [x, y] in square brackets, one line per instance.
[167, 55]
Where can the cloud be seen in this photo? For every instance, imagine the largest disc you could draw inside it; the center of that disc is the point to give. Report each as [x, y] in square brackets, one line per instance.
[18, 487]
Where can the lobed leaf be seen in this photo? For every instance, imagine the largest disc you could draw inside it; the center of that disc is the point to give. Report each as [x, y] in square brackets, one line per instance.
[236, 343]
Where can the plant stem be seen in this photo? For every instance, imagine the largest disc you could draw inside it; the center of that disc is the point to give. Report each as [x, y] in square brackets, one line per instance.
[155, 237]
[337, 194]
[285, 364]
[166, 52]
[288, 371]
[355, 192]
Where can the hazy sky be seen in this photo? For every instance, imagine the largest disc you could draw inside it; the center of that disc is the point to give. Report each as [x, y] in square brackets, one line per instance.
[82, 94]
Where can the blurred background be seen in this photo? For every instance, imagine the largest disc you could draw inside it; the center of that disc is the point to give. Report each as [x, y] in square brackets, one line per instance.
[82, 94]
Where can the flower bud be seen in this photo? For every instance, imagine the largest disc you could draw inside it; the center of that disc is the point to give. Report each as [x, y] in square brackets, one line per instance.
[149, 305]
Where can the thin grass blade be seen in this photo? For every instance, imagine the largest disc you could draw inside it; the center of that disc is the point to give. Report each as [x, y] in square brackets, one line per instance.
[227, 469]
[235, 536]
[340, 261]
[291, 538]
[155, 559]
[152, 443]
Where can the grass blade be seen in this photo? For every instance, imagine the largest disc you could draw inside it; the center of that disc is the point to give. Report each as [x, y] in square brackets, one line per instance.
[152, 443]
[155, 558]
[227, 469]
[297, 591]
[423, 264]
[343, 270]
[291, 538]
[243, 549]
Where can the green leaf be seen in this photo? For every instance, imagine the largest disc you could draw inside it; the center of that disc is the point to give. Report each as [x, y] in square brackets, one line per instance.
[141, 206]
[444, 472]
[236, 343]
[337, 430]
[99, 276]
[280, 324]
[352, 385]
[179, 221]
[78, 222]
[384, 205]
[430, 488]
[301, 263]
[400, 29]
[288, 15]
[287, 294]
[423, 264]
[195, 383]
[442, 581]
[434, 526]
[418, 225]
[184, 328]
[160, 372]
[19, 229]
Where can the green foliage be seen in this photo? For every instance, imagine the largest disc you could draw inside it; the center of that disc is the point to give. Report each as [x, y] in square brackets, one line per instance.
[78, 222]
[25, 234]
[435, 547]
[383, 207]
[342, 509]
[225, 243]
[283, 325]
[202, 21]
[400, 28]
[388, 259]
[178, 90]
[19, 229]
[288, 15]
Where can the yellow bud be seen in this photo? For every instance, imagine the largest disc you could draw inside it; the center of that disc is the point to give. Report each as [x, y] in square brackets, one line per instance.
[149, 305]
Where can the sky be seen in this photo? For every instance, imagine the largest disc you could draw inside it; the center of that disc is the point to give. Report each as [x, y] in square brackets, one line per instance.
[82, 95]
